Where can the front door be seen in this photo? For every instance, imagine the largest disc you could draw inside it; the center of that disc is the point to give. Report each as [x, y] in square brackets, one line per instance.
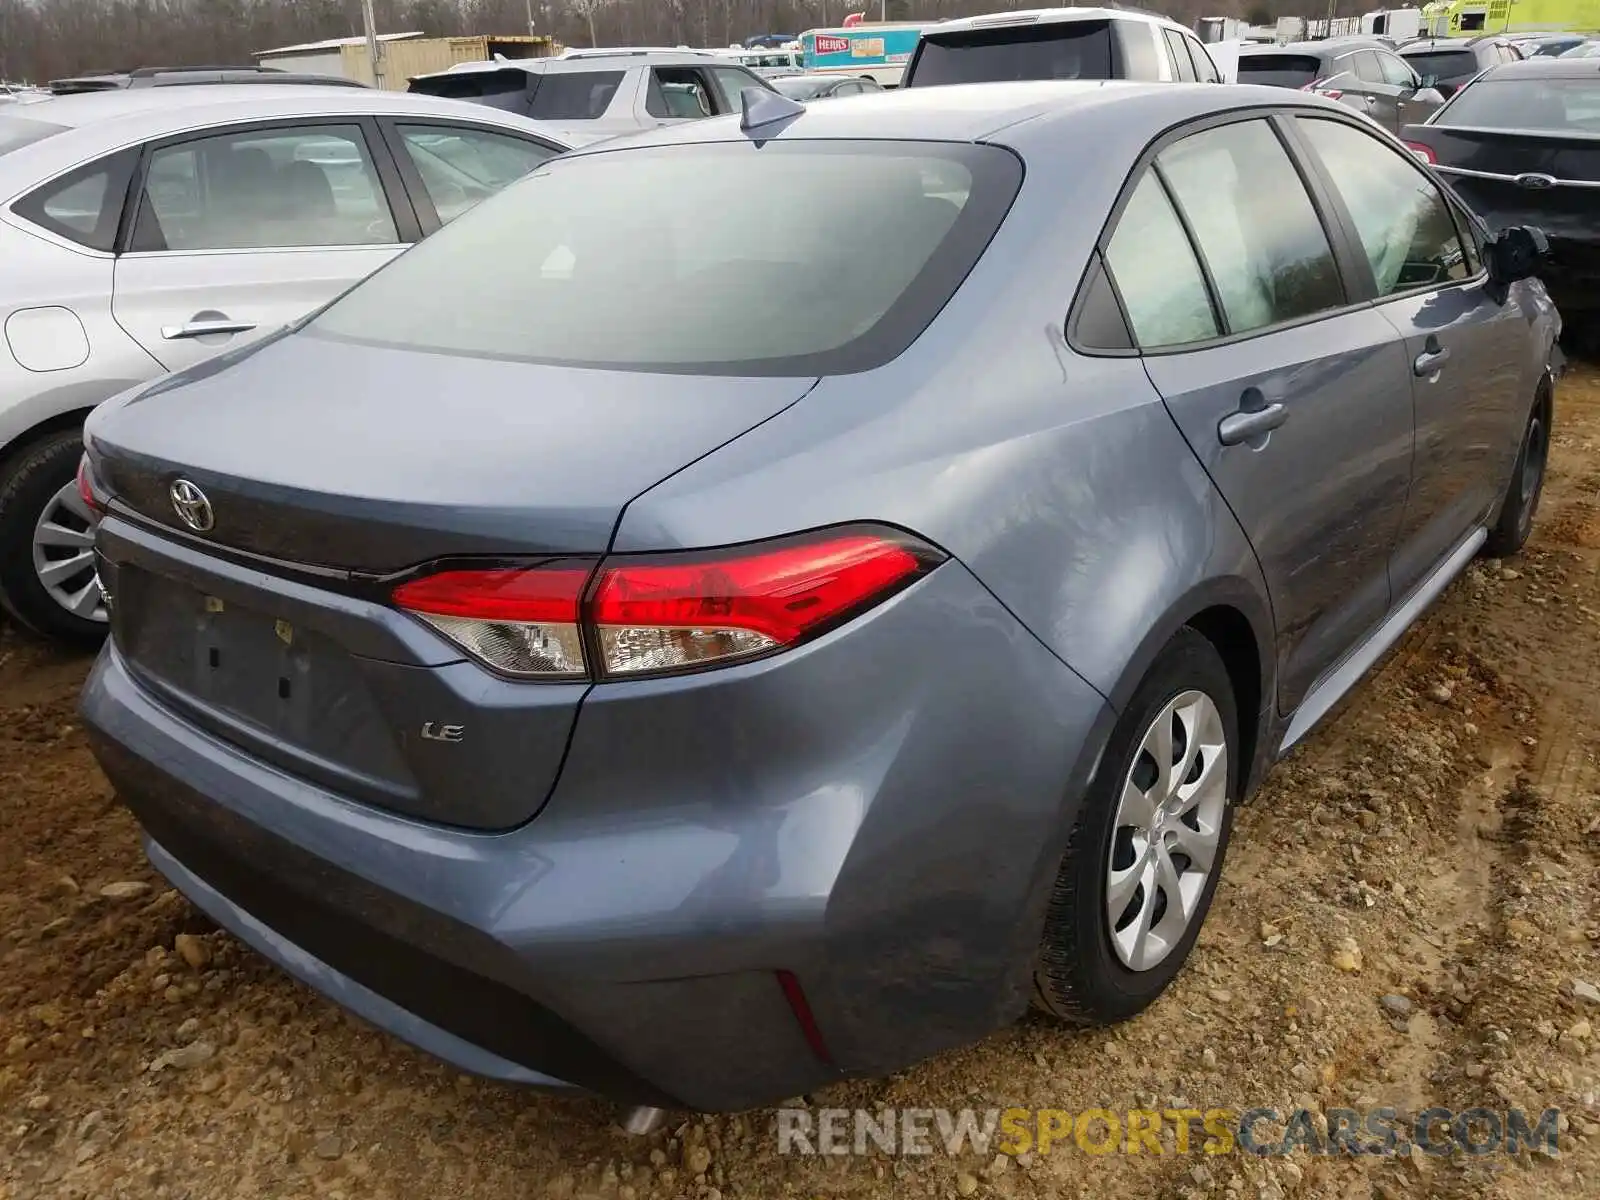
[238, 234]
[1297, 401]
[1466, 354]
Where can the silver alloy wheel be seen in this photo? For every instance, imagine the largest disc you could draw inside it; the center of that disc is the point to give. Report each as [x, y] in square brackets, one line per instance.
[63, 555]
[1164, 837]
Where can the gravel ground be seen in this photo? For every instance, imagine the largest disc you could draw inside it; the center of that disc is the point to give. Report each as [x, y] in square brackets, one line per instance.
[1410, 916]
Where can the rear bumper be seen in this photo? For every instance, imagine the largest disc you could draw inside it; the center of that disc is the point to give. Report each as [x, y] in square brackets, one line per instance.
[879, 813]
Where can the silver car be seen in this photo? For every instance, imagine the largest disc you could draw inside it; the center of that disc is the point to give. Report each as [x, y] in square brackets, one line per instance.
[143, 230]
[592, 94]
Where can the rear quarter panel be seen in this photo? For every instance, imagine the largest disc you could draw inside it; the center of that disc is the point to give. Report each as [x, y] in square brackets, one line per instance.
[1059, 480]
[43, 280]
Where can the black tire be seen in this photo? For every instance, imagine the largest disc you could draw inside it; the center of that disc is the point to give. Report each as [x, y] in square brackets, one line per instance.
[28, 482]
[1521, 503]
[1079, 977]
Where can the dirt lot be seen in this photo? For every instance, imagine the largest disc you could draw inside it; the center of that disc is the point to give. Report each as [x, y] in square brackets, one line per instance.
[1438, 841]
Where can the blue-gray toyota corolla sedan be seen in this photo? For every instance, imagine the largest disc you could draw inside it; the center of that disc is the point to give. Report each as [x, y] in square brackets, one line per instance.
[769, 600]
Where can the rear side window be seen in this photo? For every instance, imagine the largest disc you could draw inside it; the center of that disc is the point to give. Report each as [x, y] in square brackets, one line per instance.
[1156, 273]
[1279, 70]
[1257, 230]
[574, 96]
[1183, 68]
[85, 205]
[824, 257]
[1055, 50]
[264, 188]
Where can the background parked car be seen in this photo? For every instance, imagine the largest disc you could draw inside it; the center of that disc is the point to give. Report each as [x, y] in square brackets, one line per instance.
[143, 77]
[821, 87]
[1521, 144]
[600, 93]
[660, 676]
[1548, 45]
[1446, 63]
[145, 229]
[1059, 43]
[1360, 73]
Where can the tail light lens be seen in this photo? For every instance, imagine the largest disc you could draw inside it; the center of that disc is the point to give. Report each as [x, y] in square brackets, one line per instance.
[1425, 153]
[654, 614]
[86, 486]
[521, 622]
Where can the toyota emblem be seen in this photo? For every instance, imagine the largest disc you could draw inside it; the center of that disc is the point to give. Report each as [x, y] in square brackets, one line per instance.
[191, 505]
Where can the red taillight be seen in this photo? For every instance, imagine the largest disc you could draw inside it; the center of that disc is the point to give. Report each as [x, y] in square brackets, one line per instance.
[663, 614]
[670, 612]
[1425, 153]
[86, 491]
[522, 621]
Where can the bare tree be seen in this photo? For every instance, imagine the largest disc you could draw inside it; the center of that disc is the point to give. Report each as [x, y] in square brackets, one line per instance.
[587, 10]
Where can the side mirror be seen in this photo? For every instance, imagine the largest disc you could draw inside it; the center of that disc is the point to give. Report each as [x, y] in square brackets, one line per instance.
[1514, 253]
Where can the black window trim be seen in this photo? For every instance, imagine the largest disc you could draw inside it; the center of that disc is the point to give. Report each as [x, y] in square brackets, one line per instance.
[1355, 275]
[1363, 266]
[410, 177]
[407, 227]
[39, 225]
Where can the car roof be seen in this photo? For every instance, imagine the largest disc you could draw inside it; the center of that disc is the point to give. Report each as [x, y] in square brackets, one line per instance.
[979, 112]
[1327, 48]
[1048, 16]
[589, 60]
[1546, 68]
[101, 122]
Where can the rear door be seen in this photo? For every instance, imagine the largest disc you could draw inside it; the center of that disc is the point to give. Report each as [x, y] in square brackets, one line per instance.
[1466, 354]
[1413, 104]
[238, 233]
[1361, 75]
[1295, 396]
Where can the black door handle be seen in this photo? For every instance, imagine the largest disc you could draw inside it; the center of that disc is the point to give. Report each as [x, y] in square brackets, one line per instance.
[1249, 423]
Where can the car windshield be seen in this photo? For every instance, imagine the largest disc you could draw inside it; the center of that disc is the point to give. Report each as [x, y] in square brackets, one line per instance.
[15, 132]
[800, 88]
[1443, 64]
[1279, 70]
[1054, 50]
[1586, 50]
[1556, 105]
[869, 240]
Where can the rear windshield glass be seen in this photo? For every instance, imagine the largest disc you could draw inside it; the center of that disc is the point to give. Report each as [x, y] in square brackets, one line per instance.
[15, 132]
[1279, 70]
[1443, 64]
[1558, 105]
[796, 258]
[498, 89]
[1060, 50]
[576, 96]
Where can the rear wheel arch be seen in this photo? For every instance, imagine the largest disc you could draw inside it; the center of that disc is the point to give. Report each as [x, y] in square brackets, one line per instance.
[50, 426]
[1231, 615]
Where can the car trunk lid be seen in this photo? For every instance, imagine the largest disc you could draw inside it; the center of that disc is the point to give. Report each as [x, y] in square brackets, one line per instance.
[273, 629]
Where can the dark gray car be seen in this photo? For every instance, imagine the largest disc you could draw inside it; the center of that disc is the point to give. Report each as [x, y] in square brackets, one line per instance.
[1360, 73]
[703, 660]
